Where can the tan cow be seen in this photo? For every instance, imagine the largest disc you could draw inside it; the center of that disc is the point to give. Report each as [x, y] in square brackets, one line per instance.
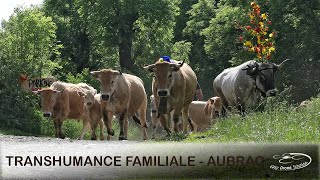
[175, 84]
[202, 114]
[61, 101]
[93, 112]
[121, 94]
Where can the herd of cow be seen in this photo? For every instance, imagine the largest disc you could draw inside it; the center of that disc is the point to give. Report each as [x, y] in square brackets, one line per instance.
[173, 89]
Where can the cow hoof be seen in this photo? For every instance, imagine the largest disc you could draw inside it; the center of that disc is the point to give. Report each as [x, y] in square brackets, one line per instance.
[111, 133]
[93, 138]
[121, 138]
[62, 136]
[153, 137]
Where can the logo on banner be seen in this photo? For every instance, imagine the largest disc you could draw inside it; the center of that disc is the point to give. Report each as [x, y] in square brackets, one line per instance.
[291, 161]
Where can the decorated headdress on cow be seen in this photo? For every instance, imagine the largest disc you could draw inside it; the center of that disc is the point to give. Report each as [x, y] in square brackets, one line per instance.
[165, 58]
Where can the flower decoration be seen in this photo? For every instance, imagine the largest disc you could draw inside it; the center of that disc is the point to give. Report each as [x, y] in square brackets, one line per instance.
[165, 58]
[256, 37]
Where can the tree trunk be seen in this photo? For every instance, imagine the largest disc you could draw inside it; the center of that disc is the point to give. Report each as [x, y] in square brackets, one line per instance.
[125, 46]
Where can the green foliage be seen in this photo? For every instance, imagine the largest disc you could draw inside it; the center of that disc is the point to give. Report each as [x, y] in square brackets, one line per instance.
[27, 42]
[181, 51]
[83, 77]
[19, 110]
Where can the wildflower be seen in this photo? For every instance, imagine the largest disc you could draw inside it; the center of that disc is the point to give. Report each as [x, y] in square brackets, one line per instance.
[271, 49]
[248, 43]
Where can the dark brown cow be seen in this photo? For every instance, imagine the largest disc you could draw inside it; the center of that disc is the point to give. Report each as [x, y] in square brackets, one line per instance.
[122, 94]
[61, 101]
[175, 83]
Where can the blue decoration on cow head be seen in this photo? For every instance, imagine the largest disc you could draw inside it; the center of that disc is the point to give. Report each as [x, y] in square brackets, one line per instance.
[166, 58]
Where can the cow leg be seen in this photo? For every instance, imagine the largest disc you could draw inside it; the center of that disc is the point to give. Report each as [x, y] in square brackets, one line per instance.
[85, 124]
[60, 134]
[241, 109]
[143, 123]
[101, 130]
[175, 118]
[125, 126]
[164, 124]
[93, 130]
[155, 122]
[107, 118]
[185, 118]
[121, 125]
[56, 128]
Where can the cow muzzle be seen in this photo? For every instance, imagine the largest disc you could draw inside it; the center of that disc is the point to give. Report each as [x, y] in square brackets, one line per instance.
[271, 92]
[105, 97]
[47, 114]
[163, 93]
[89, 104]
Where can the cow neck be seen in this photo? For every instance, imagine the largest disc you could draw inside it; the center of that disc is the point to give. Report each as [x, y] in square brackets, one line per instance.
[254, 79]
[119, 92]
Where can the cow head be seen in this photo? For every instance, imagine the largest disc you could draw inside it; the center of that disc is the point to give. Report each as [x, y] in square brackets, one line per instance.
[163, 76]
[213, 107]
[263, 74]
[108, 79]
[88, 97]
[48, 100]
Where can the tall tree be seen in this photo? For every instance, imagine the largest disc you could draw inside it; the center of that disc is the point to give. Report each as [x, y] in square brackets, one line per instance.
[113, 22]
[71, 34]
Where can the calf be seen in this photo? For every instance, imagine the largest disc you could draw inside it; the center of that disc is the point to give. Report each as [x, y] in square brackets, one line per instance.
[93, 112]
[202, 113]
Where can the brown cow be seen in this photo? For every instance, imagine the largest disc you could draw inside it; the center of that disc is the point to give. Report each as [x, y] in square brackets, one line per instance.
[175, 84]
[203, 113]
[121, 94]
[61, 101]
[93, 112]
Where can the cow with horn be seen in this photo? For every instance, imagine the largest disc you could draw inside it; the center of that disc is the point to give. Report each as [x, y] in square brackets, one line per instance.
[173, 86]
[242, 86]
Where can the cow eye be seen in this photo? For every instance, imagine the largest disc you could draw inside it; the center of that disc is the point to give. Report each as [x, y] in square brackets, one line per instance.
[170, 76]
[262, 78]
[112, 82]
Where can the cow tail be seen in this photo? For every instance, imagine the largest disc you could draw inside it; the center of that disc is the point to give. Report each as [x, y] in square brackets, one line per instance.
[137, 121]
[191, 125]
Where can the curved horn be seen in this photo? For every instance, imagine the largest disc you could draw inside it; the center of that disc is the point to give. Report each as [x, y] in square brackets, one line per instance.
[95, 74]
[120, 72]
[149, 68]
[278, 67]
[37, 92]
[57, 91]
[182, 63]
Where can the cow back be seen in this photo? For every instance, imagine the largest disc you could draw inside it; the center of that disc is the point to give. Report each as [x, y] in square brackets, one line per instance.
[137, 93]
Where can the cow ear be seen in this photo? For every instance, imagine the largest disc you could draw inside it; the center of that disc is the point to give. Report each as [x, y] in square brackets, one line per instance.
[81, 94]
[95, 74]
[149, 68]
[175, 67]
[252, 70]
[117, 72]
[278, 67]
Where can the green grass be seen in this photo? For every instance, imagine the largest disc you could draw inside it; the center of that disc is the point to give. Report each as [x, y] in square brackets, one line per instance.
[279, 123]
